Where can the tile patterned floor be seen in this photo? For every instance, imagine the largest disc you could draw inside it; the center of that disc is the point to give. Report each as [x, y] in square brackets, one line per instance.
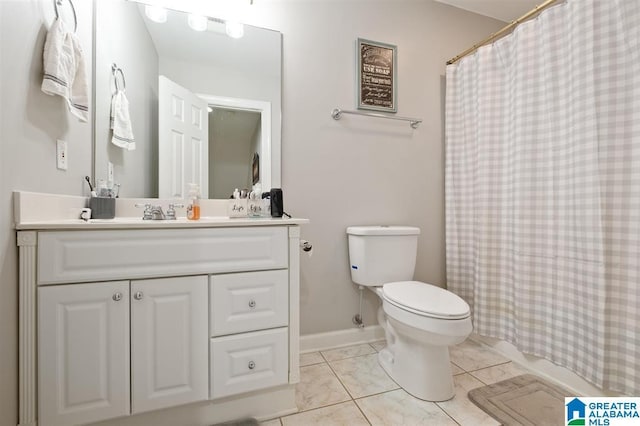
[346, 386]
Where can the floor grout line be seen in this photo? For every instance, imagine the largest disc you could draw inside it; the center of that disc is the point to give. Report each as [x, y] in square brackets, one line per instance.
[447, 414]
[339, 380]
[377, 393]
[333, 404]
[349, 357]
[353, 399]
[363, 414]
[482, 368]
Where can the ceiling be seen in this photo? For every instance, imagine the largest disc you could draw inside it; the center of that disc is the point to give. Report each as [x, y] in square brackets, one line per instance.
[503, 10]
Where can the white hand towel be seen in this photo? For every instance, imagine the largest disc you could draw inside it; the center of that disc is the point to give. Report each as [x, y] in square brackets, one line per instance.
[64, 69]
[121, 122]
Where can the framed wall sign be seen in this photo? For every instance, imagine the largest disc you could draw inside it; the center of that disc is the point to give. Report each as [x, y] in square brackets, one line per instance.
[376, 70]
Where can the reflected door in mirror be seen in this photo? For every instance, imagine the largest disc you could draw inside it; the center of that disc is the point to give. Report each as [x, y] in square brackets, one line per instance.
[182, 141]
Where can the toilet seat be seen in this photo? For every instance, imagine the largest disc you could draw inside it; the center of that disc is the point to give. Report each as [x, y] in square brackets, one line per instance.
[425, 299]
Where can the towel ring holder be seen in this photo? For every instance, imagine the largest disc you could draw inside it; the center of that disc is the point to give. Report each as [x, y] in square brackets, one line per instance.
[57, 3]
[115, 70]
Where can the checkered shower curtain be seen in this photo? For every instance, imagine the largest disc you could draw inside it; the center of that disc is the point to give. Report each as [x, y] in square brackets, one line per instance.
[543, 188]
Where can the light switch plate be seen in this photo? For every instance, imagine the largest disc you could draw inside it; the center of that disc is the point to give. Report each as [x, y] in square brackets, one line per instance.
[62, 160]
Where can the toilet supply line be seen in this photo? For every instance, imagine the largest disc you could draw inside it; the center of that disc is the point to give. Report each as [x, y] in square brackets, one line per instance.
[357, 318]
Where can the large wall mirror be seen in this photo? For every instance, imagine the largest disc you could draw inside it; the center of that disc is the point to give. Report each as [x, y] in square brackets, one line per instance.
[204, 107]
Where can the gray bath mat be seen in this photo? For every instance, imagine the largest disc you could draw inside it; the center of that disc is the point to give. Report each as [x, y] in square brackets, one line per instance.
[523, 400]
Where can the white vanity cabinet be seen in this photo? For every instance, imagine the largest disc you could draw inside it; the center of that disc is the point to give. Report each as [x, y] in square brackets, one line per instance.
[84, 333]
[122, 322]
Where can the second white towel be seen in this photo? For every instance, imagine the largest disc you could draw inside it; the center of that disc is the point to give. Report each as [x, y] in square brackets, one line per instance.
[121, 122]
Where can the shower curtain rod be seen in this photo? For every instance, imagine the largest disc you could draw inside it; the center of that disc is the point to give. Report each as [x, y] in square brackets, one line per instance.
[503, 31]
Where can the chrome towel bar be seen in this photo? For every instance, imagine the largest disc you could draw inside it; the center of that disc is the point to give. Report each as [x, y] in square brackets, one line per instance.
[336, 113]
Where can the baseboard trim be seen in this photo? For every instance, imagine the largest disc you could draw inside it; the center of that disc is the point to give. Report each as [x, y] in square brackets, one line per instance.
[338, 338]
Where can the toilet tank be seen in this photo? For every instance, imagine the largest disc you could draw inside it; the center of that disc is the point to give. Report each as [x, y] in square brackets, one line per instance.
[382, 254]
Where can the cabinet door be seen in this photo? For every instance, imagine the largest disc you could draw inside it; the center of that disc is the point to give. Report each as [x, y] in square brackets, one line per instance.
[169, 342]
[83, 347]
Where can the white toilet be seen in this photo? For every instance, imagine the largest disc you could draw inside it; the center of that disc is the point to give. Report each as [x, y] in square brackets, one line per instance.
[420, 320]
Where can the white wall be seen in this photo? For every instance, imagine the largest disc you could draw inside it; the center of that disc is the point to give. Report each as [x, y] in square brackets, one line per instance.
[355, 171]
[230, 150]
[30, 123]
[359, 170]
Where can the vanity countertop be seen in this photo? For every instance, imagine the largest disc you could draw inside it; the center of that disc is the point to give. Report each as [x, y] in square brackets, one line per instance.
[138, 223]
[36, 211]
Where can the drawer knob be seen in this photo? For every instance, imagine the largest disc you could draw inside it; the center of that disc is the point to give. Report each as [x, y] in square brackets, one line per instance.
[138, 295]
[252, 365]
[117, 297]
[252, 303]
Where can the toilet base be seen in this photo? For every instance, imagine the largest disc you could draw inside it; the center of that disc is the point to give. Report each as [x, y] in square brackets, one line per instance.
[417, 355]
[423, 371]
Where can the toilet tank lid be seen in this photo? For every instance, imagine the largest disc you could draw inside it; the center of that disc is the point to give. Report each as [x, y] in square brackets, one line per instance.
[383, 230]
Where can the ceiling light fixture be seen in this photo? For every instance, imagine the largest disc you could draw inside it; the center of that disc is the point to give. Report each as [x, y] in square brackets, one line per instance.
[156, 13]
[234, 29]
[197, 22]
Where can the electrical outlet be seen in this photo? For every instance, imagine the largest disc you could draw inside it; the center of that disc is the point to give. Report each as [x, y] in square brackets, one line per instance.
[110, 172]
[62, 161]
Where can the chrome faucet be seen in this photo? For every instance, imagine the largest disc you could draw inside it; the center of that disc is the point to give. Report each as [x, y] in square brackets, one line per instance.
[157, 213]
[152, 212]
[171, 211]
[146, 215]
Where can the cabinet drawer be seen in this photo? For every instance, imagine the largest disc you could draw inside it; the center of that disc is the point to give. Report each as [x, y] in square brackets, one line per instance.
[248, 301]
[82, 256]
[249, 361]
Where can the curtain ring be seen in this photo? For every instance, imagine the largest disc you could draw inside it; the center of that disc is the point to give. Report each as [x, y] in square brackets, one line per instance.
[115, 70]
[57, 3]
